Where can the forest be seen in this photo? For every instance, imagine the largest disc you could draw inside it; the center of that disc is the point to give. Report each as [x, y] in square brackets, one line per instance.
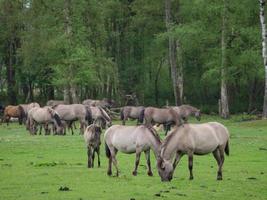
[206, 53]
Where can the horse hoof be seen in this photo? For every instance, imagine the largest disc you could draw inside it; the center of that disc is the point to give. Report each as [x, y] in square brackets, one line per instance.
[149, 173]
[191, 178]
[109, 173]
[134, 173]
[219, 178]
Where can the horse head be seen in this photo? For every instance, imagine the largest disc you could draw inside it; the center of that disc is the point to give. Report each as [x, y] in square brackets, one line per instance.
[165, 169]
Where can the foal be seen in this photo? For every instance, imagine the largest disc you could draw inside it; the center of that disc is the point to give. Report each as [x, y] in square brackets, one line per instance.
[92, 140]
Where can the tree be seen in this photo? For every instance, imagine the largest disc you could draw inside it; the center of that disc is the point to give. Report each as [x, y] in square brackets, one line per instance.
[224, 107]
[264, 53]
[177, 75]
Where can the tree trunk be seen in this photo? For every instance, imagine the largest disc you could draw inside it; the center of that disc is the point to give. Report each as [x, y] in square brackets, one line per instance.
[74, 94]
[176, 78]
[66, 94]
[11, 91]
[156, 83]
[264, 54]
[224, 92]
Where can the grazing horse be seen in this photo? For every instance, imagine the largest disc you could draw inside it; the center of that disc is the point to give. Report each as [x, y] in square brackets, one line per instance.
[92, 139]
[132, 112]
[14, 111]
[55, 102]
[99, 114]
[184, 111]
[44, 116]
[73, 112]
[152, 115]
[131, 139]
[190, 139]
[105, 103]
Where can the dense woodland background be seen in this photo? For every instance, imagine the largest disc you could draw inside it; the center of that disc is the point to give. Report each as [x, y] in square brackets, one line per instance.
[55, 49]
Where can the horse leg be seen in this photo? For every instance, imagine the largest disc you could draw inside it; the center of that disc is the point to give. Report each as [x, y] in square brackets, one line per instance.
[177, 160]
[40, 130]
[137, 159]
[89, 165]
[216, 155]
[93, 158]
[147, 154]
[98, 157]
[221, 151]
[109, 172]
[114, 160]
[190, 165]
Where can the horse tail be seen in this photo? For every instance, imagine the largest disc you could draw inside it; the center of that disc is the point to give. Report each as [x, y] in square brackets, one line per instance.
[108, 154]
[226, 149]
[22, 114]
[142, 115]
[88, 115]
[122, 115]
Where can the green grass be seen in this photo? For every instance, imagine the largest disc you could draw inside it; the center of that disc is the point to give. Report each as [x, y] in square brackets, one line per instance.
[35, 167]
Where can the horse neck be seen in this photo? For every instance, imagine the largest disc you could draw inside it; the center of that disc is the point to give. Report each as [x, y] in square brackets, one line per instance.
[155, 145]
[169, 148]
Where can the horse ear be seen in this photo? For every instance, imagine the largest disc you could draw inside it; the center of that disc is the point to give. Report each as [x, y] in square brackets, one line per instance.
[161, 163]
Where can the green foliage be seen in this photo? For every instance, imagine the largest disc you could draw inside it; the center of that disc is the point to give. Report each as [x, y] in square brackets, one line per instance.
[116, 47]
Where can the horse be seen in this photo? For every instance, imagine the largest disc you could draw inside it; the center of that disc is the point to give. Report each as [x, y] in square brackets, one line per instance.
[105, 103]
[55, 102]
[152, 115]
[92, 139]
[14, 111]
[131, 139]
[44, 116]
[27, 107]
[101, 116]
[184, 111]
[73, 112]
[132, 112]
[193, 139]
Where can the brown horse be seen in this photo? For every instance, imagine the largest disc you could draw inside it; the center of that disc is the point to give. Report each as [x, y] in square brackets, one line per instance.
[152, 115]
[190, 139]
[14, 111]
[132, 112]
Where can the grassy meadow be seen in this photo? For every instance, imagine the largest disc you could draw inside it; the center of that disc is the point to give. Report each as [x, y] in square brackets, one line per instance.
[36, 167]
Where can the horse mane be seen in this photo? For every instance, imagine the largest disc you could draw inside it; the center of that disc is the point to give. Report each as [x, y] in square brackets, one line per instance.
[154, 132]
[105, 115]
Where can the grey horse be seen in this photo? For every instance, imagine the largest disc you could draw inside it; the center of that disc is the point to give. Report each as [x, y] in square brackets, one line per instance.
[131, 139]
[190, 139]
[74, 112]
[132, 112]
